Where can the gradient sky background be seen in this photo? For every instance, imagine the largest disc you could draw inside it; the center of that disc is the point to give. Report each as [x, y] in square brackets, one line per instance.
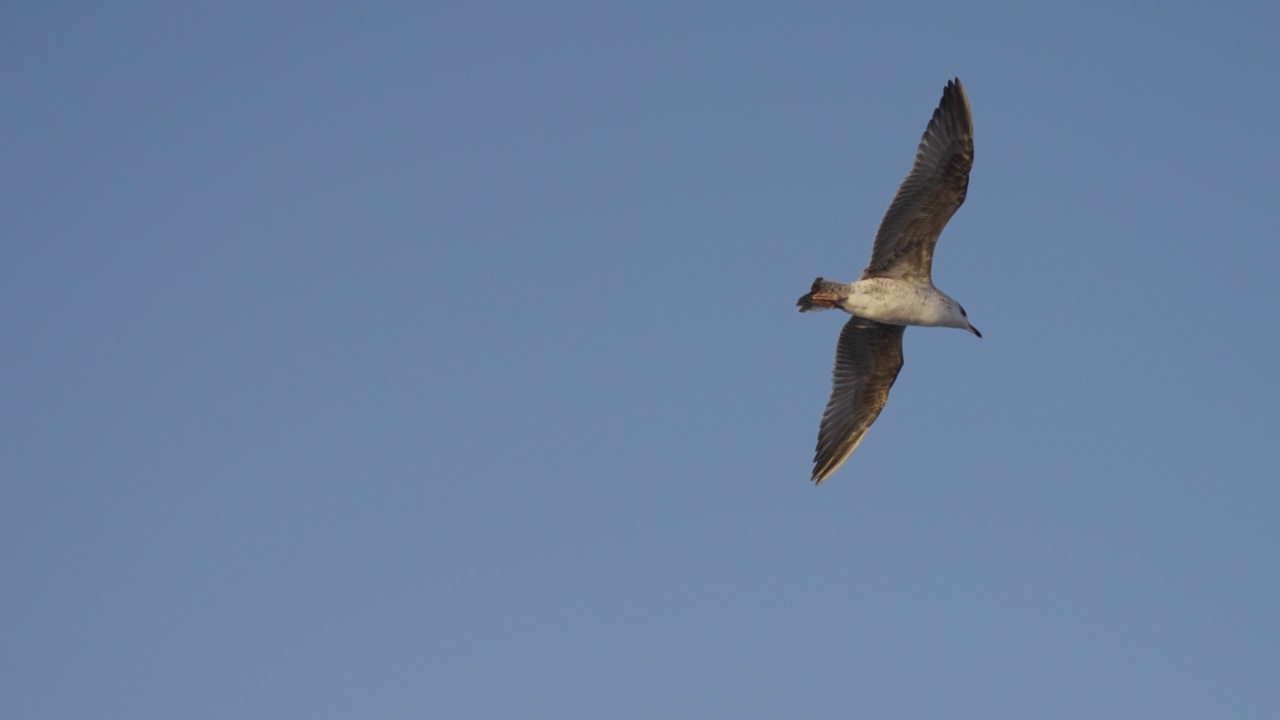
[439, 360]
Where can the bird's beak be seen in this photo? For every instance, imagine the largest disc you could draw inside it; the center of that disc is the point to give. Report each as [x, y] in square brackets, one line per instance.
[974, 330]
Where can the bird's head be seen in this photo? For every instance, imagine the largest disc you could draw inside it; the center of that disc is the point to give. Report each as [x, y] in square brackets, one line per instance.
[960, 319]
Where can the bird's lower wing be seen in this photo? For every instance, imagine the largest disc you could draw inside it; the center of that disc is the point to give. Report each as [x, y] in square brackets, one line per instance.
[868, 359]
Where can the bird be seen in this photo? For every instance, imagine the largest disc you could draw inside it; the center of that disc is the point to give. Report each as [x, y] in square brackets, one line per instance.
[896, 288]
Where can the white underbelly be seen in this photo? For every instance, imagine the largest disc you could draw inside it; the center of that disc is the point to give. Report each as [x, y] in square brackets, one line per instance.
[896, 302]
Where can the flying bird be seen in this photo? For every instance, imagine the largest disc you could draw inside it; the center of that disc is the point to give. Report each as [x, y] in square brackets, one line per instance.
[896, 288]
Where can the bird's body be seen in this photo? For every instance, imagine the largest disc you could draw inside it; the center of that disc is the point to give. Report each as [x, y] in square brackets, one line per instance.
[896, 289]
[897, 302]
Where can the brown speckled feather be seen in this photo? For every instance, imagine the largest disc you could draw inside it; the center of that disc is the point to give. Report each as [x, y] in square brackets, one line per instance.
[929, 195]
[868, 358]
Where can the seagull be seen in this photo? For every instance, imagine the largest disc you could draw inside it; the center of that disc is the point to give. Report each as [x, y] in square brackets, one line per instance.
[896, 288]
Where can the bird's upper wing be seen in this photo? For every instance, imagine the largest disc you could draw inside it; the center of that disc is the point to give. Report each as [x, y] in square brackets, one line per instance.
[868, 358]
[929, 195]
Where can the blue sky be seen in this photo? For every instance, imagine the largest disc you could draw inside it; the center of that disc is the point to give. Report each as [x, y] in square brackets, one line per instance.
[440, 360]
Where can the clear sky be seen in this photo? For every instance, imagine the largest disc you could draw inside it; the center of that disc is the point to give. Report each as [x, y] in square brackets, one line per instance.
[440, 360]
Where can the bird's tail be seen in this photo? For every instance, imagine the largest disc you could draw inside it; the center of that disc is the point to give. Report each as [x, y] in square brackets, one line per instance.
[822, 296]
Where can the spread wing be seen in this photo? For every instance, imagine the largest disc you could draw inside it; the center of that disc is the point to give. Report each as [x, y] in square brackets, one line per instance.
[868, 358]
[930, 194]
